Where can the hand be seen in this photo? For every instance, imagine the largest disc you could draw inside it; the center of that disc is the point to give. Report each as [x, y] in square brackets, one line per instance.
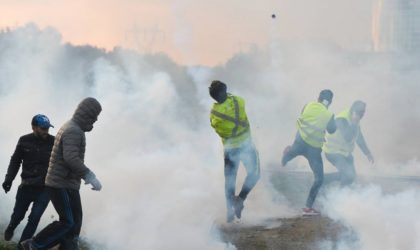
[370, 158]
[96, 184]
[90, 178]
[6, 186]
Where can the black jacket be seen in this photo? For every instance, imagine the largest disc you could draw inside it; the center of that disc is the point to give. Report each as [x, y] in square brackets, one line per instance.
[34, 154]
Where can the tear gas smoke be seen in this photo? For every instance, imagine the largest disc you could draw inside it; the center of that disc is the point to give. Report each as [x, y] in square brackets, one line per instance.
[382, 221]
[159, 160]
[153, 148]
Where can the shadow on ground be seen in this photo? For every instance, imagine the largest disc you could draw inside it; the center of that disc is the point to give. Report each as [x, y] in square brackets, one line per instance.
[304, 233]
[291, 233]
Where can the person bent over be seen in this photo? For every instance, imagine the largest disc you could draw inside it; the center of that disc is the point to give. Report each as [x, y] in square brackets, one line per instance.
[339, 146]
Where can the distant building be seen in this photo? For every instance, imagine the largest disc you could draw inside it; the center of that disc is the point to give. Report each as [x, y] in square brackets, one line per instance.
[396, 26]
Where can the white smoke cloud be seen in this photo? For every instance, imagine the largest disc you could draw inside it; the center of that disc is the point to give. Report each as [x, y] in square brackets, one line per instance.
[159, 161]
[279, 87]
[381, 220]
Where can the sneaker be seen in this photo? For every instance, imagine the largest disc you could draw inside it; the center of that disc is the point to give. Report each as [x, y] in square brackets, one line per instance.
[238, 206]
[28, 245]
[8, 234]
[230, 216]
[285, 151]
[308, 211]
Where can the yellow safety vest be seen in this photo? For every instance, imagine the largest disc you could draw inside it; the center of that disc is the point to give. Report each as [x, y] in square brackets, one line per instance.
[312, 123]
[336, 143]
[230, 121]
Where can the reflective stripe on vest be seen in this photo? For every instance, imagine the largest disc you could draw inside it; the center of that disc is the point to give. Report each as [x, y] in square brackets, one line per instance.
[230, 122]
[336, 143]
[313, 122]
[236, 120]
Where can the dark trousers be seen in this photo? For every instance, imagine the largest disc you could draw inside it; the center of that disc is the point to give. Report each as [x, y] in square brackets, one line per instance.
[66, 230]
[249, 157]
[313, 155]
[345, 166]
[24, 197]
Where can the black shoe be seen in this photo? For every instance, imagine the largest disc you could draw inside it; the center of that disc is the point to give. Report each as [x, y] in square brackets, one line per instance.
[239, 206]
[8, 234]
[28, 245]
[19, 247]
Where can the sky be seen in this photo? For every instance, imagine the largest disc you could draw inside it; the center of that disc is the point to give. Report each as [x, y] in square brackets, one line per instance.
[196, 31]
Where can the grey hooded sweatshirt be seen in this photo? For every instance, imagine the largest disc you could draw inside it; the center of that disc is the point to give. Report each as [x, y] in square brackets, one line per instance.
[66, 167]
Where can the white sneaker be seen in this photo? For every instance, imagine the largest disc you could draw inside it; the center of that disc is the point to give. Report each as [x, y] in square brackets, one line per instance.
[308, 211]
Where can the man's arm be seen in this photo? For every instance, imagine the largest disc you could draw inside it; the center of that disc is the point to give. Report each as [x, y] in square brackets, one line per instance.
[14, 166]
[331, 126]
[360, 140]
[71, 153]
[15, 162]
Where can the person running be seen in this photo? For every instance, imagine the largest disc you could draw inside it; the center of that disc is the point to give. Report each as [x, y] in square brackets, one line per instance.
[312, 123]
[32, 152]
[65, 171]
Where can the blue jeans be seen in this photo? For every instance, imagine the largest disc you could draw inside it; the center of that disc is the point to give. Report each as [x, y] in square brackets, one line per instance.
[66, 230]
[313, 155]
[248, 154]
[24, 197]
[345, 166]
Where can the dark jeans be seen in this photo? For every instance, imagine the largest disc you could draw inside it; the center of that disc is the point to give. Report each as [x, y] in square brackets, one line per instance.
[65, 231]
[24, 197]
[249, 157]
[345, 166]
[313, 155]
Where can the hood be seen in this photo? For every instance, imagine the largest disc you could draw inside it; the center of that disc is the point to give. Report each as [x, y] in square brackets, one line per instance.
[86, 113]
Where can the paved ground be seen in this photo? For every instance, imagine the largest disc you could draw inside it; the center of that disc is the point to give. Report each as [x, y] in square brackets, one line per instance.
[303, 233]
[291, 234]
[300, 233]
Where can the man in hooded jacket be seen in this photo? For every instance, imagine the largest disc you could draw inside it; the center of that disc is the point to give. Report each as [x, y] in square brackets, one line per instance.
[65, 171]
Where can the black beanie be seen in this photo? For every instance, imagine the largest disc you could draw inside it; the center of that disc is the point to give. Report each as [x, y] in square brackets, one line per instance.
[216, 89]
[325, 94]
